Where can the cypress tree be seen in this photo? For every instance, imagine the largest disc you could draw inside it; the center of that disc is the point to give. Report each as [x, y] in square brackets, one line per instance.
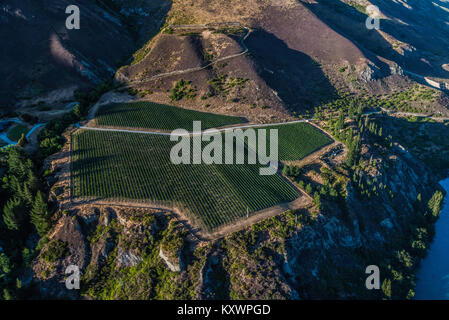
[40, 215]
[22, 140]
[13, 213]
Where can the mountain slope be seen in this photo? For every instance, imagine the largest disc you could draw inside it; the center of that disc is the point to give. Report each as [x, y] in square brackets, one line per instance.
[40, 55]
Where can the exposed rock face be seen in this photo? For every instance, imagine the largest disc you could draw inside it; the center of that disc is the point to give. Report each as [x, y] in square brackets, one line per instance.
[127, 258]
[396, 69]
[52, 284]
[370, 72]
[173, 265]
[331, 242]
[92, 238]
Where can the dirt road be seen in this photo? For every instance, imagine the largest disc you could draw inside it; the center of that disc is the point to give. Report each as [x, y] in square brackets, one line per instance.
[219, 130]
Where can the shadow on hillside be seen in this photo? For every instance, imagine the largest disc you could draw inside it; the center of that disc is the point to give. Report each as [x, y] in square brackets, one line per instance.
[426, 141]
[42, 55]
[351, 23]
[297, 78]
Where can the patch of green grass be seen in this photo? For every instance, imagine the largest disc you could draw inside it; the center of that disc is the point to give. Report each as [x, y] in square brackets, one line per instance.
[232, 31]
[357, 6]
[16, 132]
[190, 34]
[157, 116]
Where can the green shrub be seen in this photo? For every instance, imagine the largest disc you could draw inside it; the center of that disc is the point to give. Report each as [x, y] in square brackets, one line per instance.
[182, 89]
[56, 249]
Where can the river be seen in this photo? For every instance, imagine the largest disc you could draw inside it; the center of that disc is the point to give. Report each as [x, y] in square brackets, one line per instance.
[433, 274]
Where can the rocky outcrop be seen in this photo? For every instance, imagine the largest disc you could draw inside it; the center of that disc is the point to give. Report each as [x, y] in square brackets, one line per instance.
[50, 276]
[396, 69]
[126, 258]
[172, 263]
[370, 72]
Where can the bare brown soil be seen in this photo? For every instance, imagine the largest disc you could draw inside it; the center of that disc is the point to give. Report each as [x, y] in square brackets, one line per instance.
[185, 55]
[316, 156]
[289, 71]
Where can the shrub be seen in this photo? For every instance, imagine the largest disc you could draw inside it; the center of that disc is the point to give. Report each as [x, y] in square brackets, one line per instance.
[182, 89]
[56, 249]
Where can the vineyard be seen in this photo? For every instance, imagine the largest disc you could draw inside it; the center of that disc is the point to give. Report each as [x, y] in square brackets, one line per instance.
[136, 167]
[157, 116]
[297, 140]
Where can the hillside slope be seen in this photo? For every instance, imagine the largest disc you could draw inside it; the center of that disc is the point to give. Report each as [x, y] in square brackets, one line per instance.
[374, 197]
[301, 54]
[40, 55]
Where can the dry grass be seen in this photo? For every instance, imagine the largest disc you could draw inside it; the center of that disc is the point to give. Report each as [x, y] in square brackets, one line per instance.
[212, 11]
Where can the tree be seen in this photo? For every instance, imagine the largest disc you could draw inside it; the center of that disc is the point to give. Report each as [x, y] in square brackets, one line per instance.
[419, 198]
[435, 203]
[26, 195]
[5, 265]
[22, 141]
[77, 111]
[340, 124]
[49, 146]
[354, 151]
[40, 215]
[317, 200]
[13, 213]
[386, 288]
[7, 295]
[297, 171]
[18, 164]
[32, 181]
[27, 256]
[309, 189]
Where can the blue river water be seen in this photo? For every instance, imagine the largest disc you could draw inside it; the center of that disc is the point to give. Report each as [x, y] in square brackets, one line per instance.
[433, 274]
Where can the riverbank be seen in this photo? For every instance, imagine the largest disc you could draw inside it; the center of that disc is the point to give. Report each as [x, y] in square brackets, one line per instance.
[433, 274]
